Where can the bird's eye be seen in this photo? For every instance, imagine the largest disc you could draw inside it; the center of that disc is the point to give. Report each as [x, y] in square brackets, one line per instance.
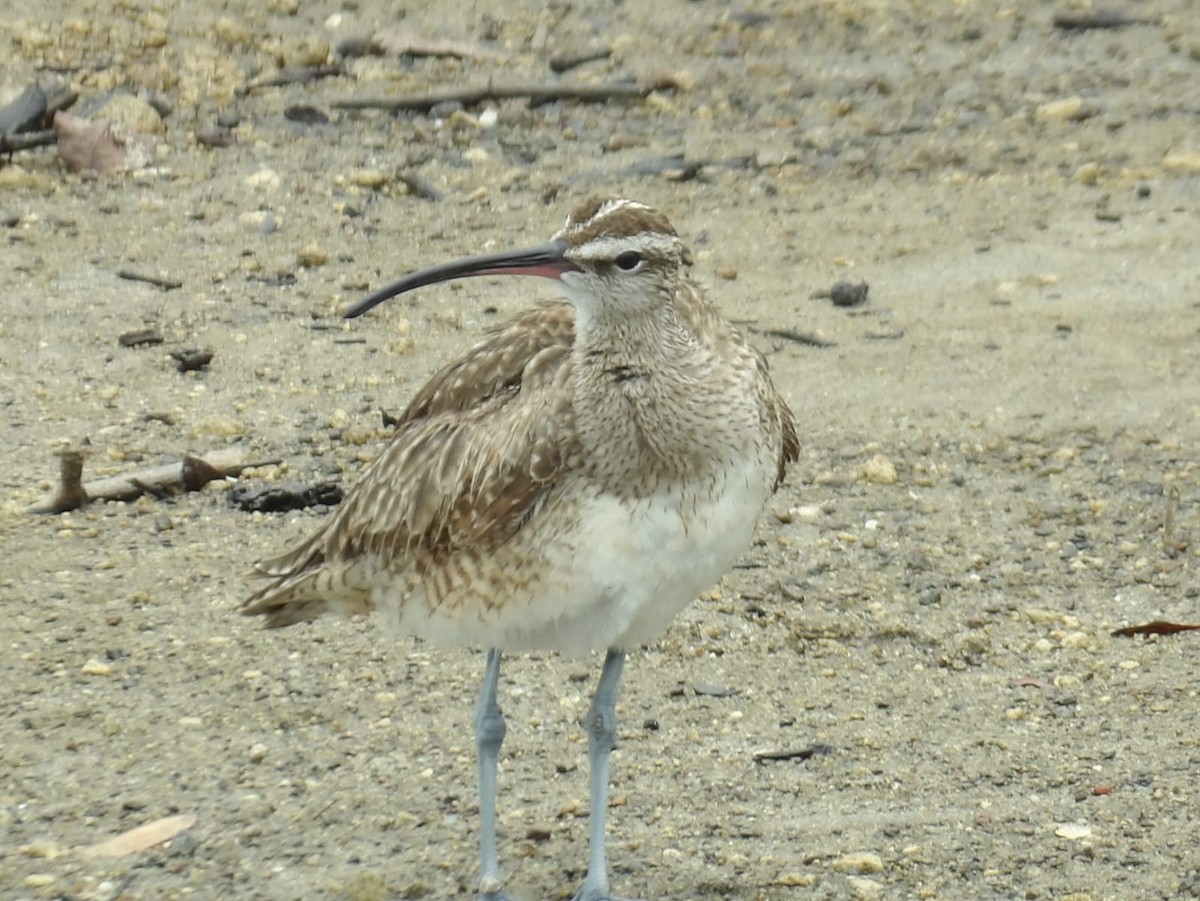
[628, 261]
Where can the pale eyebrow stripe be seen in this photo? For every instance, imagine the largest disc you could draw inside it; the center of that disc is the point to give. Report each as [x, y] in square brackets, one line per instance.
[606, 248]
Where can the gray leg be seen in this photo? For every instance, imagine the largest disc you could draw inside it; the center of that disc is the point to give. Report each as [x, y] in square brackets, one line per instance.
[489, 735]
[602, 732]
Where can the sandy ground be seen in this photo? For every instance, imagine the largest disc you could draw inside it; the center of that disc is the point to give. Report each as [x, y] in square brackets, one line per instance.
[999, 460]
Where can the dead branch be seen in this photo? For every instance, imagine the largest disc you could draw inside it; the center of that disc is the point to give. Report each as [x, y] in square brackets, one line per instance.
[290, 75]
[189, 474]
[588, 93]
[167, 284]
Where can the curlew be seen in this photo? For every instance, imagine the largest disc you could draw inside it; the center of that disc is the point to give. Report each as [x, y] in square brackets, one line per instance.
[569, 484]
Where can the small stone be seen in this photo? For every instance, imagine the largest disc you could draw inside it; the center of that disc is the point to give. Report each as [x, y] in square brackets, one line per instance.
[368, 178]
[859, 862]
[1073, 831]
[488, 119]
[182, 845]
[264, 180]
[220, 425]
[231, 33]
[476, 156]
[304, 51]
[622, 141]
[43, 850]
[132, 112]
[258, 752]
[865, 888]
[879, 470]
[798, 880]
[312, 256]
[40, 880]
[1068, 109]
[1182, 162]
[95, 668]
[728, 273]
[1087, 174]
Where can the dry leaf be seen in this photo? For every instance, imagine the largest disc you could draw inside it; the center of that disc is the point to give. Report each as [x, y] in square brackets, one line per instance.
[141, 837]
[398, 41]
[1156, 627]
[101, 147]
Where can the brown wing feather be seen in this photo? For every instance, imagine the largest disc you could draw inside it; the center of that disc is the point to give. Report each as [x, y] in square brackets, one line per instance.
[777, 409]
[473, 455]
[497, 362]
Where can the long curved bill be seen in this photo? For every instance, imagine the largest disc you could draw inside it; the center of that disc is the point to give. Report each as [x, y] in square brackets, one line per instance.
[547, 260]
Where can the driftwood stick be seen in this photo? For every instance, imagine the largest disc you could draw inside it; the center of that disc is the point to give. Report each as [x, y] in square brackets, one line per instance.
[188, 474]
[591, 93]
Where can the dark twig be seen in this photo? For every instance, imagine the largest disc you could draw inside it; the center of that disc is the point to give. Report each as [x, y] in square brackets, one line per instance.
[1156, 627]
[569, 61]
[587, 93]
[813, 750]
[1097, 18]
[292, 75]
[167, 284]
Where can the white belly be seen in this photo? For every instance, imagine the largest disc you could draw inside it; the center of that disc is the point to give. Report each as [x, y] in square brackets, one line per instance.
[631, 566]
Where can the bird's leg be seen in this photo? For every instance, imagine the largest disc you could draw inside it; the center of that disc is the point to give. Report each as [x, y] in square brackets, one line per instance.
[489, 735]
[602, 732]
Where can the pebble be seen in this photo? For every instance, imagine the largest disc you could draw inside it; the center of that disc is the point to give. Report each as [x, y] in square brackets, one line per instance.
[1073, 831]
[219, 425]
[258, 752]
[1068, 109]
[727, 273]
[865, 888]
[859, 862]
[797, 880]
[1087, 174]
[231, 33]
[304, 51]
[476, 156]
[264, 180]
[95, 668]
[40, 880]
[622, 141]
[1182, 162]
[367, 178]
[879, 470]
[132, 112]
[312, 256]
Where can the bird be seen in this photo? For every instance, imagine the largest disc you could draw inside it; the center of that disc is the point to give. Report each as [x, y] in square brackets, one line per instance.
[569, 484]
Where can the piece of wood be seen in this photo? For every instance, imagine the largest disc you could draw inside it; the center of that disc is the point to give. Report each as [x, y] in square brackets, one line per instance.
[591, 93]
[141, 838]
[189, 474]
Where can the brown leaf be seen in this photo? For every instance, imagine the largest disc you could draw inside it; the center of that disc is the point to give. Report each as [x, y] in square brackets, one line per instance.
[101, 147]
[1157, 627]
[141, 837]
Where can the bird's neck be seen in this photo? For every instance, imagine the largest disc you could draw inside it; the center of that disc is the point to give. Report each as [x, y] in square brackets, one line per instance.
[647, 339]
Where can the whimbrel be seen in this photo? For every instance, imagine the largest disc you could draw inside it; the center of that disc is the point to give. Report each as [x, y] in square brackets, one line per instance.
[570, 483]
